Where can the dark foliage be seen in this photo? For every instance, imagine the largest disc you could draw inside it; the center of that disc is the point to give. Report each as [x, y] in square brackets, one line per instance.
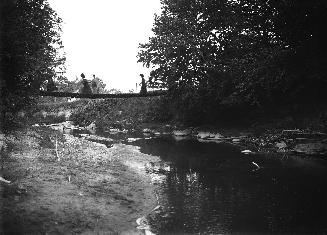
[223, 58]
[122, 113]
[51, 86]
[28, 51]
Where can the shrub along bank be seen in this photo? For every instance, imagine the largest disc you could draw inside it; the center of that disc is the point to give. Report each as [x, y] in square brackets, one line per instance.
[122, 113]
[133, 113]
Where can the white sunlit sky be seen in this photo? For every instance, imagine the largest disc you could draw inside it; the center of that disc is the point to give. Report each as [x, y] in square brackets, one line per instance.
[101, 37]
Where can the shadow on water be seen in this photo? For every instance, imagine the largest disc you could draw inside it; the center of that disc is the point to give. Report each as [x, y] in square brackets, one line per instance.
[213, 188]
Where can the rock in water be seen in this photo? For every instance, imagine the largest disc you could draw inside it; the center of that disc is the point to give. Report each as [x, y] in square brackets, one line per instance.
[4, 180]
[315, 148]
[147, 130]
[92, 126]
[246, 151]
[218, 136]
[182, 132]
[281, 145]
[203, 135]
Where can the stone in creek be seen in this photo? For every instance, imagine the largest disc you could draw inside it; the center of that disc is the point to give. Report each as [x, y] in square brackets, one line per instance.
[218, 136]
[92, 126]
[313, 148]
[302, 134]
[281, 145]
[182, 132]
[204, 135]
[246, 151]
[95, 137]
[291, 132]
[133, 139]
[114, 131]
[147, 130]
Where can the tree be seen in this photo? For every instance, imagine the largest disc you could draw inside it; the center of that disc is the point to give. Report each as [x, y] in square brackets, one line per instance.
[259, 53]
[30, 40]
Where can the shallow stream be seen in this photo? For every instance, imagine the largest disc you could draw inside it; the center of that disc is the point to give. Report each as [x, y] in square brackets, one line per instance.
[212, 188]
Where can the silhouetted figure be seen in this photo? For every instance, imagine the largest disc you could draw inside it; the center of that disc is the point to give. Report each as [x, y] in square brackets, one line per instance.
[143, 86]
[86, 89]
[94, 85]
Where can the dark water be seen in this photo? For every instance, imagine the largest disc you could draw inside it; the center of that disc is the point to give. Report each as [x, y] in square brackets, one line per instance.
[210, 188]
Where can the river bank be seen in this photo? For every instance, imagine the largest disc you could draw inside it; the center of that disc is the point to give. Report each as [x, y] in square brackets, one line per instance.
[116, 182]
[62, 184]
[299, 134]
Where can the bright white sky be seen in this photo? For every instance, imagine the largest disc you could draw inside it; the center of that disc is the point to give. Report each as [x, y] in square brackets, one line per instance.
[101, 37]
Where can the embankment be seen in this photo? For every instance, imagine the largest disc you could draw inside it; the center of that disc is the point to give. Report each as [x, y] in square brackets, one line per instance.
[61, 184]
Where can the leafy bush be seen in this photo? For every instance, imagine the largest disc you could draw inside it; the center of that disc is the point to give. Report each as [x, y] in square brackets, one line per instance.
[121, 113]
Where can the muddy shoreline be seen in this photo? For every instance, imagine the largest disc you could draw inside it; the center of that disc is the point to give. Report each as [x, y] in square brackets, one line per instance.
[61, 184]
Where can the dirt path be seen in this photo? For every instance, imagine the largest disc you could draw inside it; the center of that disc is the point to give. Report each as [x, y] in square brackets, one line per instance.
[91, 190]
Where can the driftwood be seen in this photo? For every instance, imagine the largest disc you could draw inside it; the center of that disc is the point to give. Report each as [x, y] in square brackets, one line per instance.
[256, 165]
[4, 180]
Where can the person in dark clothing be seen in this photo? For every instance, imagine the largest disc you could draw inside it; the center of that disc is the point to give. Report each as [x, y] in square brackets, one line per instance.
[86, 89]
[143, 86]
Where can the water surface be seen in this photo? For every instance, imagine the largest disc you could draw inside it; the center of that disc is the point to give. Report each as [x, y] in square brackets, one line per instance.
[211, 188]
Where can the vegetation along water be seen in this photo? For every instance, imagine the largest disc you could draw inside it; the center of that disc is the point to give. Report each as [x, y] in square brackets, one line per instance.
[235, 143]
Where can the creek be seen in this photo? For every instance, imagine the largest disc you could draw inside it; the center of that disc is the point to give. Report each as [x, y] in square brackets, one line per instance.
[212, 188]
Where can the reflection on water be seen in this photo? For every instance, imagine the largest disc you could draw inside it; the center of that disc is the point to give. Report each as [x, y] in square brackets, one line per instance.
[213, 188]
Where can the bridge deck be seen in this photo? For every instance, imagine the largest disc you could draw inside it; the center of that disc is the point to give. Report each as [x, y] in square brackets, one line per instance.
[100, 96]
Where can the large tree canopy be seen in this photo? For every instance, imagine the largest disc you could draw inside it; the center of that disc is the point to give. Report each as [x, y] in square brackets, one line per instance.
[29, 50]
[259, 52]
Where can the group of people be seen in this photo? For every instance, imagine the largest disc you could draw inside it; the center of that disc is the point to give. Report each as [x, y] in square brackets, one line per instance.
[86, 89]
[95, 88]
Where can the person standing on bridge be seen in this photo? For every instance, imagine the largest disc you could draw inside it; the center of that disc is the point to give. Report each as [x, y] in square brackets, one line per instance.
[94, 85]
[86, 89]
[143, 85]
